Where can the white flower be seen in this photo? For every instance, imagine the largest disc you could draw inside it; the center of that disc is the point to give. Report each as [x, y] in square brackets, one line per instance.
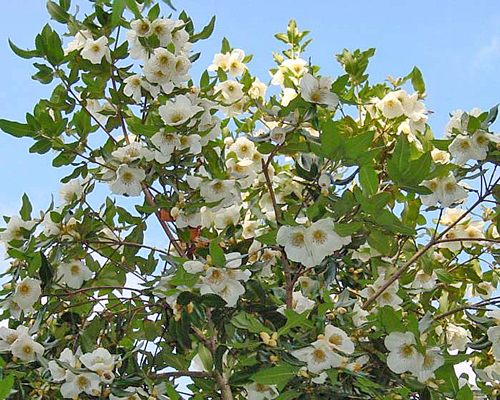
[323, 239]
[257, 90]
[457, 337]
[300, 303]
[59, 373]
[25, 348]
[78, 42]
[359, 315]
[219, 282]
[338, 340]
[95, 108]
[142, 27]
[162, 28]
[318, 90]
[74, 273]
[391, 106]
[194, 267]
[9, 336]
[227, 216]
[236, 67]
[439, 156]
[131, 152]
[459, 120]
[76, 384]
[229, 91]
[403, 355]
[179, 111]
[100, 360]
[220, 61]
[14, 229]
[133, 87]
[293, 239]
[256, 391]
[95, 50]
[358, 363]
[463, 149]
[219, 190]
[243, 148]
[293, 68]
[27, 293]
[287, 96]
[431, 361]
[318, 357]
[424, 281]
[165, 142]
[451, 215]
[70, 191]
[494, 338]
[133, 394]
[137, 50]
[128, 181]
[495, 314]
[446, 190]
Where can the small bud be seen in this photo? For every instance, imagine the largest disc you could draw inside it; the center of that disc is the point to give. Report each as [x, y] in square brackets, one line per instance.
[265, 337]
[174, 212]
[320, 337]
[273, 358]
[190, 308]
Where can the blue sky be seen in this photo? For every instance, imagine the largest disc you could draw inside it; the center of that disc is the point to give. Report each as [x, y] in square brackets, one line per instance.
[455, 44]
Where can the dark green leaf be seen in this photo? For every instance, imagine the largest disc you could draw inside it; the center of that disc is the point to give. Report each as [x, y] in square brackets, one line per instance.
[369, 180]
[206, 32]
[15, 128]
[24, 53]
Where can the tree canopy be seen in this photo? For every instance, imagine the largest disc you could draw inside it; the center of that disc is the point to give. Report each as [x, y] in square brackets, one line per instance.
[319, 241]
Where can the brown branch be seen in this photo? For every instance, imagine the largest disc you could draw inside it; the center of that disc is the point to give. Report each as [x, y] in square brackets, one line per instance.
[150, 200]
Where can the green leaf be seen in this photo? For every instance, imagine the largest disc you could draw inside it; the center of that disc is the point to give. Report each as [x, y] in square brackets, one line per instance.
[390, 320]
[465, 393]
[206, 31]
[118, 7]
[418, 170]
[369, 180]
[359, 144]
[24, 53]
[246, 321]
[347, 229]
[132, 6]
[26, 208]
[288, 395]
[268, 238]
[57, 13]
[294, 319]
[380, 242]
[278, 375]
[331, 141]
[6, 386]
[15, 128]
[417, 80]
[217, 254]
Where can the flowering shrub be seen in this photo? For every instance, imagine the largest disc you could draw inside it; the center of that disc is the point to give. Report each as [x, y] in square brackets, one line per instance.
[319, 242]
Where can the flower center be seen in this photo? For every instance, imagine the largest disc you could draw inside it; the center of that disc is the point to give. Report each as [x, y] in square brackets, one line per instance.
[316, 96]
[336, 339]
[319, 236]
[218, 187]
[96, 48]
[75, 269]
[82, 382]
[464, 145]
[319, 355]
[449, 187]
[406, 350]
[127, 177]
[298, 239]
[176, 117]
[27, 350]
[24, 289]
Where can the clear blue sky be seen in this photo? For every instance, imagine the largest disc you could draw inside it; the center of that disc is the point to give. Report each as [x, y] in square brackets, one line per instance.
[456, 44]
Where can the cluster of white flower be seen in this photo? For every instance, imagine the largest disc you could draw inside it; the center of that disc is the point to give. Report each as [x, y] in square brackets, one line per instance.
[92, 49]
[445, 190]
[404, 356]
[230, 62]
[309, 246]
[318, 90]
[20, 343]
[85, 373]
[323, 353]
